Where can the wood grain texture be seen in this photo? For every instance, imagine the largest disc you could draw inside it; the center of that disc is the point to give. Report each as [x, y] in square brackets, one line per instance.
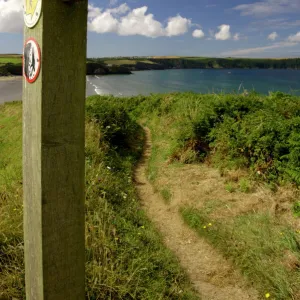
[53, 155]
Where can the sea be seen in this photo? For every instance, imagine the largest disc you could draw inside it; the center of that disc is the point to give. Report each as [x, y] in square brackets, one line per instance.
[196, 80]
[166, 81]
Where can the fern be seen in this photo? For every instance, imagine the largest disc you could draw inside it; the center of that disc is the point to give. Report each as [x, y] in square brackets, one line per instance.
[294, 175]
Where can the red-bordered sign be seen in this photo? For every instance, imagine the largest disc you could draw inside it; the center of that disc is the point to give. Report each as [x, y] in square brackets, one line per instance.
[31, 60]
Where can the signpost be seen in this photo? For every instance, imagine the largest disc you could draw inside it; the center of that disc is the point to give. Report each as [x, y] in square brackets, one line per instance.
[53, 148]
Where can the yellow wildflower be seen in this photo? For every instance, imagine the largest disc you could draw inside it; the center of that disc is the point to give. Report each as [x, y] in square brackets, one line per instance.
[268, 295]
[209, 224]
[204, 227]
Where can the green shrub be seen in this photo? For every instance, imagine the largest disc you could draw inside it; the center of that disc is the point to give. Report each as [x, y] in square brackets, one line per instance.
[296, 209]
[259, 133]
[117, 127]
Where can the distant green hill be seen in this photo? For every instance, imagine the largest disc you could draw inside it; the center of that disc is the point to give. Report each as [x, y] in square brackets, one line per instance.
[173, 62]
[11, 64]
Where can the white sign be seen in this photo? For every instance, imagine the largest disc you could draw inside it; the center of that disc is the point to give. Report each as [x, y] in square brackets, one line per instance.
[32, 12]
[31, 60]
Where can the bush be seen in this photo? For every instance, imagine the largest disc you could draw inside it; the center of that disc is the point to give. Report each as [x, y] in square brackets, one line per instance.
[117, 127]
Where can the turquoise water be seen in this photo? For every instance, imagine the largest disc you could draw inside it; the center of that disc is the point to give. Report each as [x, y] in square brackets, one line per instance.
[201, 81]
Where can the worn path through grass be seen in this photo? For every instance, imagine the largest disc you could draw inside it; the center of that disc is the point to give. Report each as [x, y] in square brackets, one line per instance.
[211, 274]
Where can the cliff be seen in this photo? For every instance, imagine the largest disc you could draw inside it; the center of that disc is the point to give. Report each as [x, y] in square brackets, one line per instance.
[91, 69]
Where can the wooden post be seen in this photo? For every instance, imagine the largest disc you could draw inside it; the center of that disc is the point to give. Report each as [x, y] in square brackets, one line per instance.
[53, 155]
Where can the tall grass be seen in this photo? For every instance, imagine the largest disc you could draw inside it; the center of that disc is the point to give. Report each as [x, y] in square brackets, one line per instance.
[125, 257]
[11, 227]
[258, 134]
[267, 253]
[12, 60]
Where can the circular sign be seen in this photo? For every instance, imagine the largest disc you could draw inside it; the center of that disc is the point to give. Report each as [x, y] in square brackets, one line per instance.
[31, 60]
[32, 12]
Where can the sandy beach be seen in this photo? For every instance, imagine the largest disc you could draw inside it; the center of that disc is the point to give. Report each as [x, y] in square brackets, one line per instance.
[10, 89]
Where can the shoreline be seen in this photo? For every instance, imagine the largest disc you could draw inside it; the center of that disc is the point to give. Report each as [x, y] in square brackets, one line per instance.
[8, 78]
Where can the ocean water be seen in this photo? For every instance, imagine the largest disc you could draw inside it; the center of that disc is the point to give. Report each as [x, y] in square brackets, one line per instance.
[200, 81]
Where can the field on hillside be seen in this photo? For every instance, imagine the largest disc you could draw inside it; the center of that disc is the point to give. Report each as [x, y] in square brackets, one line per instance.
[127, 62]
[10, 58]
[226, 165]
[230, 164]
[125, 257]
[178, 62]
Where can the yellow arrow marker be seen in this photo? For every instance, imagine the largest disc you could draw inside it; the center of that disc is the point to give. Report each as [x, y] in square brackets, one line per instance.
[31, 7]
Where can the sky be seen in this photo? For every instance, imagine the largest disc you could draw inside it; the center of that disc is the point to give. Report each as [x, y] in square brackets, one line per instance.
[218, 28]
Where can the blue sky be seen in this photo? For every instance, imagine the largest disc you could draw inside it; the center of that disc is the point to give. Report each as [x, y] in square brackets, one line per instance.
[237, 28]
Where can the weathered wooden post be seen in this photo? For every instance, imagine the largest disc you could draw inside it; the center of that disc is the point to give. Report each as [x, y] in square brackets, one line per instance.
[53, 148]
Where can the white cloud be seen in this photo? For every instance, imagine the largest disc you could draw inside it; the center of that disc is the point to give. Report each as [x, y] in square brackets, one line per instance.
[120, 10]
[294, 38]
[11, 16]
[177, 26]
[278, 23]
[198, 33]
[273, 36]
[101, 22]
[93, 11]
[135, 22]
[245, 52]
[104, 21]
[224, 33]
[269, 7]
[236, 37]
[121, 20]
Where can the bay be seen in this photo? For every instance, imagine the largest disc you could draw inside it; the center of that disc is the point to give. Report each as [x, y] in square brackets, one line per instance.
[166, 81]
[199, 81]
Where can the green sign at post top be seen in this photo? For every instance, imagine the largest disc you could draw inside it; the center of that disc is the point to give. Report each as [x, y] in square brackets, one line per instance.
[32, 12]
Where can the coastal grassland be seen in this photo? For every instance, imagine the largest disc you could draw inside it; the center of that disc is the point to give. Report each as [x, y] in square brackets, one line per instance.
[266, 250]
[119, 62]
[251, 211]
[125, 257]
[10, 58]
[250, 131]
[11, 227]
[170, 62]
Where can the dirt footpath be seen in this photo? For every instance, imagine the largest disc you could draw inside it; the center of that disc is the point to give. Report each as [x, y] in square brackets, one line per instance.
[211, 274]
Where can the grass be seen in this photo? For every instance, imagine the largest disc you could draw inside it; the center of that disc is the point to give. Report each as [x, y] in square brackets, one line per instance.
[266, 252]
[229, 187]
[125, 257]
[233, 132]
[119, 62]
[11, 233]
[296, 209]
[263, 246]
[256, 135]
[245, 185]
[166, 194]
[10, 59]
